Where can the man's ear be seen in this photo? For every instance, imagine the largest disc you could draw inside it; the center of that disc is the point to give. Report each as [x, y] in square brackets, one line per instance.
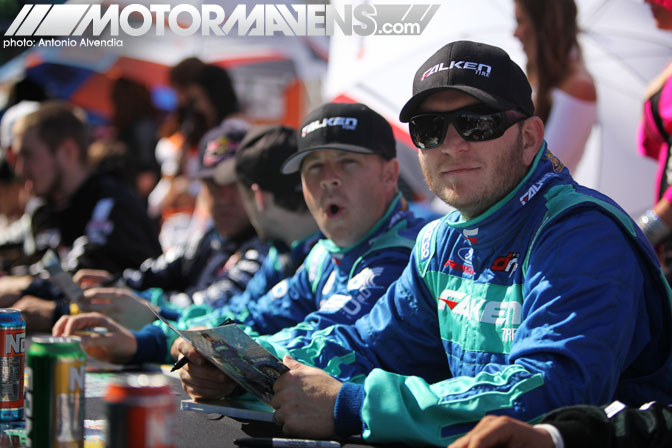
[69, 150]
[391, 172]
[259, 199]
[532, 135]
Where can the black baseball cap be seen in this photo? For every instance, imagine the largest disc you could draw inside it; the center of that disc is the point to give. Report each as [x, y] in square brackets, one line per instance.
[352, 127]
[217, 149]
[485, 72]
[262, 152]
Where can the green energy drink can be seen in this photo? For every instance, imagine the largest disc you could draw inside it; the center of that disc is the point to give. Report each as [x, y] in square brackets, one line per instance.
[55, 393]
[13, 340]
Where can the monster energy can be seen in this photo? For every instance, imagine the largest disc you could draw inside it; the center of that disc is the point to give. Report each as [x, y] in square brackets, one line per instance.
[55, 393]
[12, 338]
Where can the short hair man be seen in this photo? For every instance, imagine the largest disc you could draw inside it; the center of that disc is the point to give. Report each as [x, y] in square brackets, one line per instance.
[535, 293]
[349, 171]
[84, 216]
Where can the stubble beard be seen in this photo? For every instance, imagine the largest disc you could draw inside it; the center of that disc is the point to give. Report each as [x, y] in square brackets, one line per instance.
[56, 190]
[510, 171]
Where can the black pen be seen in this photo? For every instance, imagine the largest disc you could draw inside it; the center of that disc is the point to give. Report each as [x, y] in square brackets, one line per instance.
[289, 443]
[180, 363]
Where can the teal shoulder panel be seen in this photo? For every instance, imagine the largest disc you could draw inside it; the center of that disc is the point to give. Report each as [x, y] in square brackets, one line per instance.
[425, 246]
[564, 197]
[390, 239]
[315, 263]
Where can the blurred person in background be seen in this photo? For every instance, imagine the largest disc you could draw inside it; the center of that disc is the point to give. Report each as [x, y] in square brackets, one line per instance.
[220, 263]
[169, 146]
[84, 218]
[654, 140]
[13, 229]
[205, 97]
[13, 200]
[171, 201]
[13, 197]
[564, 93]
[110, 157]
[26, 90]
[135, 124]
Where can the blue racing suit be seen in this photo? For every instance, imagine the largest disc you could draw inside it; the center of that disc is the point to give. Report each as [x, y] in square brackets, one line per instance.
[211, 268]
[280, 262]
[552, 297]
[334, 285]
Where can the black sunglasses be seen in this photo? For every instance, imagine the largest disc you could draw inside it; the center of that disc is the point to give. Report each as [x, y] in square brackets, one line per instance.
[474, 123]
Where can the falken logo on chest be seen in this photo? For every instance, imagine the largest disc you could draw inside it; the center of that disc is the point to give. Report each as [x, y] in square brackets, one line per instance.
[507, 313]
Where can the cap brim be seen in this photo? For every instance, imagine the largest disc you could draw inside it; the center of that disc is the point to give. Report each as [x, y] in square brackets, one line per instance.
[411, 107]
[225, 172]
[293, 164]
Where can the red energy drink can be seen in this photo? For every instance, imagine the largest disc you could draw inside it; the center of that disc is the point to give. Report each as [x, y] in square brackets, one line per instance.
[13, 340]
[141, 412]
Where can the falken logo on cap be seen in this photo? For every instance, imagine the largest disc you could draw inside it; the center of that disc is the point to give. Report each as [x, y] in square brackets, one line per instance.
[347, 123]
[480, 69]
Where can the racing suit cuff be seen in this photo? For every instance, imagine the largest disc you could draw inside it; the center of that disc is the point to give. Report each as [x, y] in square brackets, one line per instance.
[169, 314]
[348, 410]
[152, 345]
[556, 436]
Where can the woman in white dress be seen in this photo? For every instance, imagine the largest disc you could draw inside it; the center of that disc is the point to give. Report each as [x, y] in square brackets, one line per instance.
[564, 92]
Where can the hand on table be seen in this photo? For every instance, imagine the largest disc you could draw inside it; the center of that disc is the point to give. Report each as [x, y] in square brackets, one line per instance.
[504, 432]
[200, 378]
[11, 287]
[38, 313]
[117, 346]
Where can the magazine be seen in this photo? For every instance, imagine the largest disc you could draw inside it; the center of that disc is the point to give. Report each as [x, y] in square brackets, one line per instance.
[246, 362]
[52, 266]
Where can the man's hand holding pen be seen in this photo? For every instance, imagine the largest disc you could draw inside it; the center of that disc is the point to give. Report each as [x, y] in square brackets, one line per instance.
[200, 379]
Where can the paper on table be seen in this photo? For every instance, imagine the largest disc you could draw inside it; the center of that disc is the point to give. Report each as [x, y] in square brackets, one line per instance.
[229, 348]
[59, 277]
[242, 409]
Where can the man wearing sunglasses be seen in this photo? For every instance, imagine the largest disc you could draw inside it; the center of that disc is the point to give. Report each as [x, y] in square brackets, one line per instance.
[535, 293]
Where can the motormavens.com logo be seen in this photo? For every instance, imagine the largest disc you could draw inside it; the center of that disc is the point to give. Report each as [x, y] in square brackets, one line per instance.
[270, 19]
